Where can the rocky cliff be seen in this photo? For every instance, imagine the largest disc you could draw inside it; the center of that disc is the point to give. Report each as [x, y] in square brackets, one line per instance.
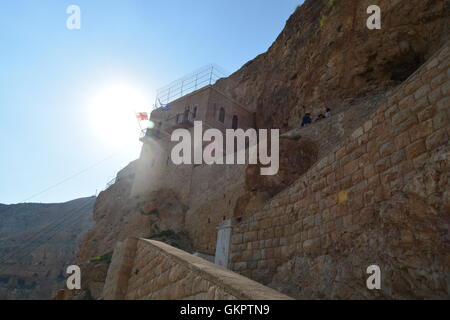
[117, 215]
[327, 57]
[37, 242]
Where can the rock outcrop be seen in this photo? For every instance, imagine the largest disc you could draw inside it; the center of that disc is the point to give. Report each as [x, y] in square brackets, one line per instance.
[297, 155]
[326, 56]
[118, 216]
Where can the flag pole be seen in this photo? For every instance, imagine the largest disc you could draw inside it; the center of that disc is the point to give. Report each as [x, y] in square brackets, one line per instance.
[139, 123]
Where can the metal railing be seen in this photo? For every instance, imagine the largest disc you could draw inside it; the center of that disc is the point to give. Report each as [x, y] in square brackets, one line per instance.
[150, 132]
[181, 120]
[205, 76]
[110, 183]
[116, 179]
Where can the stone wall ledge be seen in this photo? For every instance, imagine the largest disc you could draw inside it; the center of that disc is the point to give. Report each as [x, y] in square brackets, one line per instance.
[233, 283]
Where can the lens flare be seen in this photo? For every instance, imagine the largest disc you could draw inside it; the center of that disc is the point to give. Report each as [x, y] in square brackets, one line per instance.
[113, 114]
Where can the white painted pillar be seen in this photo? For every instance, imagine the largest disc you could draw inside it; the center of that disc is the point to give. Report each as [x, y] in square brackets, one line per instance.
[223, 243]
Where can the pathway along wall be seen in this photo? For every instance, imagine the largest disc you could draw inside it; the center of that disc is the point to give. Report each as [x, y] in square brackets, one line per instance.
[382, 198]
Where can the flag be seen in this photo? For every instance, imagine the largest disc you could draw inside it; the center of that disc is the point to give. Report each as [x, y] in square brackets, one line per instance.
[142, 116]
[163, 107]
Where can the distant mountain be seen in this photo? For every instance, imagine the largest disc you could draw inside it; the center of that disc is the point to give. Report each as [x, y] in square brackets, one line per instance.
[37, 242]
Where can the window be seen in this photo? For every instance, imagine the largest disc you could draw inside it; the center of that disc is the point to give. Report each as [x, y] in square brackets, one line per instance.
[235, 122]
[222, 115]
[195, 112]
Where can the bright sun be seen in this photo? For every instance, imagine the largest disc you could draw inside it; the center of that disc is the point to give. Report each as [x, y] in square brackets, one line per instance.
[112, 113]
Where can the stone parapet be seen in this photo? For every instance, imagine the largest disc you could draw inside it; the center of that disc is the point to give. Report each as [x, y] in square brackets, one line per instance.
[158, 271]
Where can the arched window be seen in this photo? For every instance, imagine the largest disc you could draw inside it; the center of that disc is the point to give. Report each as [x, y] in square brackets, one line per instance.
[235, 122]
[222, 115]
[186, 114]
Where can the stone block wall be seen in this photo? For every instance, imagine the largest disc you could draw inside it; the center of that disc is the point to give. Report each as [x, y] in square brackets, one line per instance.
[212, 200]
[161, 272]
[201, 222]
[380, 197]
[119, 270]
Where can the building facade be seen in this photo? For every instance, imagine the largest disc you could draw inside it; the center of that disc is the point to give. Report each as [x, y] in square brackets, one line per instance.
[155, 169]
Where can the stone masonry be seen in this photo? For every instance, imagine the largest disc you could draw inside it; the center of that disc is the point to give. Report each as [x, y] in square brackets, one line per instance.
[146, 269]
[382, 196]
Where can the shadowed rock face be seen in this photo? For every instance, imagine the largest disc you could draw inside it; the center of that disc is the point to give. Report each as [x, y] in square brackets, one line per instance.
[37, 242]
[296, 157]
[326, 55]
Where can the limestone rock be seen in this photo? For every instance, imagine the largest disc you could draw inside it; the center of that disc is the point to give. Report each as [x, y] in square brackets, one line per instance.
[326, 55]
[296, 157]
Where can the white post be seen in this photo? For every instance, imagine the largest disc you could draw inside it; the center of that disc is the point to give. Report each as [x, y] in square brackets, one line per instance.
[223, 243]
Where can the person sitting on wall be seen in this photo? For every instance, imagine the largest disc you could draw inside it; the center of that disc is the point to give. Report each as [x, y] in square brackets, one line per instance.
[306, 120]
[328, 113]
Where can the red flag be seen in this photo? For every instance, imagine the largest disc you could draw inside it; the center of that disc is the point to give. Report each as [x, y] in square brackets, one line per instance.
[142, 116]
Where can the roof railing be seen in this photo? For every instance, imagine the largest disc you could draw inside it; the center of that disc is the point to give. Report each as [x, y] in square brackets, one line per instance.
[203, 77]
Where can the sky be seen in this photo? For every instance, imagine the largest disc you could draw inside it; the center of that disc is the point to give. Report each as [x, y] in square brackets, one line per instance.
[62, 91]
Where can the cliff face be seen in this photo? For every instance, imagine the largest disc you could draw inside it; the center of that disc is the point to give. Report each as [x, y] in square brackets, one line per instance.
[326, 56]
[118, 216]
[37, 242]
[158, 215]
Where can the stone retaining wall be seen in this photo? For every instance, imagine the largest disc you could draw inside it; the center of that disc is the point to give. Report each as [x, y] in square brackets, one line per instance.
[361, 205]
[146, 269]
[119, 271]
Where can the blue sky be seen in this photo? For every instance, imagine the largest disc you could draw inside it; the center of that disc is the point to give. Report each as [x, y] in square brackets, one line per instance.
[49, 76]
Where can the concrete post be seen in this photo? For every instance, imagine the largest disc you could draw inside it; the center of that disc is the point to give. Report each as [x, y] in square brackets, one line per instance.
[224, 231]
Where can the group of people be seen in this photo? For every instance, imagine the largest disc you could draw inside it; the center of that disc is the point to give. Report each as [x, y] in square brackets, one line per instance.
[306, 120]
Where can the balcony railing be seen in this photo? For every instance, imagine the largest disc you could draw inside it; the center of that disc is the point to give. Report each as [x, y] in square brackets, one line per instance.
[181, 120]
[150, 133]
[207, 75]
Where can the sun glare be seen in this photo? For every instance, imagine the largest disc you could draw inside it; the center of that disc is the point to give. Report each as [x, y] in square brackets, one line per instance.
[113, 114]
